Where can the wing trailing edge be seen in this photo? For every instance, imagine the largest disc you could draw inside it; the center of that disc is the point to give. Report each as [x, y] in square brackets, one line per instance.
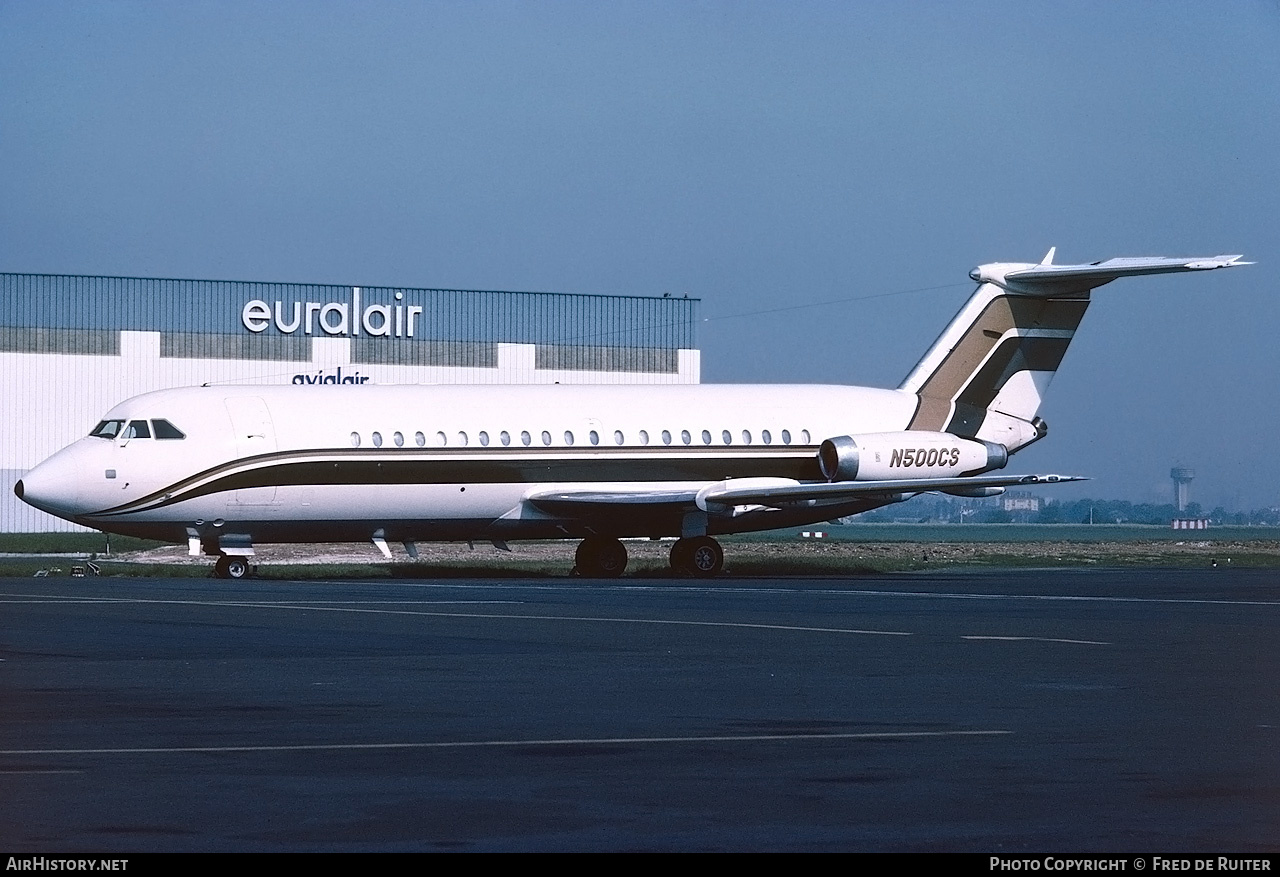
[780, 495]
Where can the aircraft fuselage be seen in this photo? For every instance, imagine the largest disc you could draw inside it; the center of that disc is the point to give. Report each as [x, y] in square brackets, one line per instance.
[338, 463]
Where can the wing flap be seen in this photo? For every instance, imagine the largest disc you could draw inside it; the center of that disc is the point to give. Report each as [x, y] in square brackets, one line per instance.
[577, 500]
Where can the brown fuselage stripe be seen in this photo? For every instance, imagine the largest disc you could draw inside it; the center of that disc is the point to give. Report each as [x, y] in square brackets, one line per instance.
[688, 464]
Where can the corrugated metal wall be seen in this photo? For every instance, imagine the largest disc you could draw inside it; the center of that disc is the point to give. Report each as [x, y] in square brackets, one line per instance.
[60, 301]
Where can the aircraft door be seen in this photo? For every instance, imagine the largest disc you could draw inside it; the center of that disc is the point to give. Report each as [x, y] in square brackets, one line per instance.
[134, 451]
[254, 435]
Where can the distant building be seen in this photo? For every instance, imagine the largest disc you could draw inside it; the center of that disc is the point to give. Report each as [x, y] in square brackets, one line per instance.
[1021, 502]
[1190, 523]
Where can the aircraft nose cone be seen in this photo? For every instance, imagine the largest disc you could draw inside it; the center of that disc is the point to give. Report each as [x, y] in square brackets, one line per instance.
[53, 486]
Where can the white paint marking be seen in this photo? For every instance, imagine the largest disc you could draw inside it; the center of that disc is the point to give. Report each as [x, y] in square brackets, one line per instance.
[58, 598]
[477, 744]
[490, 616]
[1041, 639]
[830, 592]
[332, 605]
[1068, 598]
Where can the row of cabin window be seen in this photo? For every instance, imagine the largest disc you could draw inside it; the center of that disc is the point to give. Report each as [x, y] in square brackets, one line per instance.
[526, 439]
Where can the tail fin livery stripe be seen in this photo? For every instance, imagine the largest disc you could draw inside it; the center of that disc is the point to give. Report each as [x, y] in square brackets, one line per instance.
[1013, 355]
[1012, 333]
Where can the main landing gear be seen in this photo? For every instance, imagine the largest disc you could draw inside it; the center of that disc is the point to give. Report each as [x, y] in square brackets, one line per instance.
[602, 557]
[231, 566]
[699, 556]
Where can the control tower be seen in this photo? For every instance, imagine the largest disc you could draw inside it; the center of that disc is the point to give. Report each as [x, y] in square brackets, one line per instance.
[1182, 477]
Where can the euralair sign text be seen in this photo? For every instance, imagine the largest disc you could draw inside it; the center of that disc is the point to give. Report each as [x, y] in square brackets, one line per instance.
[333, 317]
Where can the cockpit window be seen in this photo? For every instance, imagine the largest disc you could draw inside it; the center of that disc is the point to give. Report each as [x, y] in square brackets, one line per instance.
[107, 429]
[137, 429]
[166, 430]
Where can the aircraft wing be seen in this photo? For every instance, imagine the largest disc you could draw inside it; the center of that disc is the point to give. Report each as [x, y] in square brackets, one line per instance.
[780, 495]
[723, 496]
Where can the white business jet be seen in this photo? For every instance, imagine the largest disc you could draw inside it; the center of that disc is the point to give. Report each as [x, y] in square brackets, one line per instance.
[228, 468]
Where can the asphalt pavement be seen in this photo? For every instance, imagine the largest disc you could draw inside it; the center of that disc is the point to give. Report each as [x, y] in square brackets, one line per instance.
[995, 712]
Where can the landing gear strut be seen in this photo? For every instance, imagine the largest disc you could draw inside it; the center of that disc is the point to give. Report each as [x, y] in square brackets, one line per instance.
[601, 557]
[230, 566]
[699, 556]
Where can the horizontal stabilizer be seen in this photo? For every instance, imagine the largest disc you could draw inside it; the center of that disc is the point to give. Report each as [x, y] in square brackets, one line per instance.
[1047, 278]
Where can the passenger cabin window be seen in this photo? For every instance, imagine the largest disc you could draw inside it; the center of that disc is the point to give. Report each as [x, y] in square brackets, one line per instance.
[137, 429]
[166, 430]
[107, 429]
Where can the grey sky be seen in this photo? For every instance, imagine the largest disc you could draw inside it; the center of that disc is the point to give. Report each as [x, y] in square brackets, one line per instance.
[755, 155]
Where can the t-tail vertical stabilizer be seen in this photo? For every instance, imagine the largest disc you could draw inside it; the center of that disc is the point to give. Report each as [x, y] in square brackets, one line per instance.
[988, 372]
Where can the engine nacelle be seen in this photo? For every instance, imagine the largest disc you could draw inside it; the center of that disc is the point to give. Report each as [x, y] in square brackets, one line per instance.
[891, 456]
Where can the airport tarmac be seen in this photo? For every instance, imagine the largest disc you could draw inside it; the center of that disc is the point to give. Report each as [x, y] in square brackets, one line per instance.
[997, 711]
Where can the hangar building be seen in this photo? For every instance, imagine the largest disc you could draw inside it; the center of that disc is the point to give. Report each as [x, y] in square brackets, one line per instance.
[72, 346]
